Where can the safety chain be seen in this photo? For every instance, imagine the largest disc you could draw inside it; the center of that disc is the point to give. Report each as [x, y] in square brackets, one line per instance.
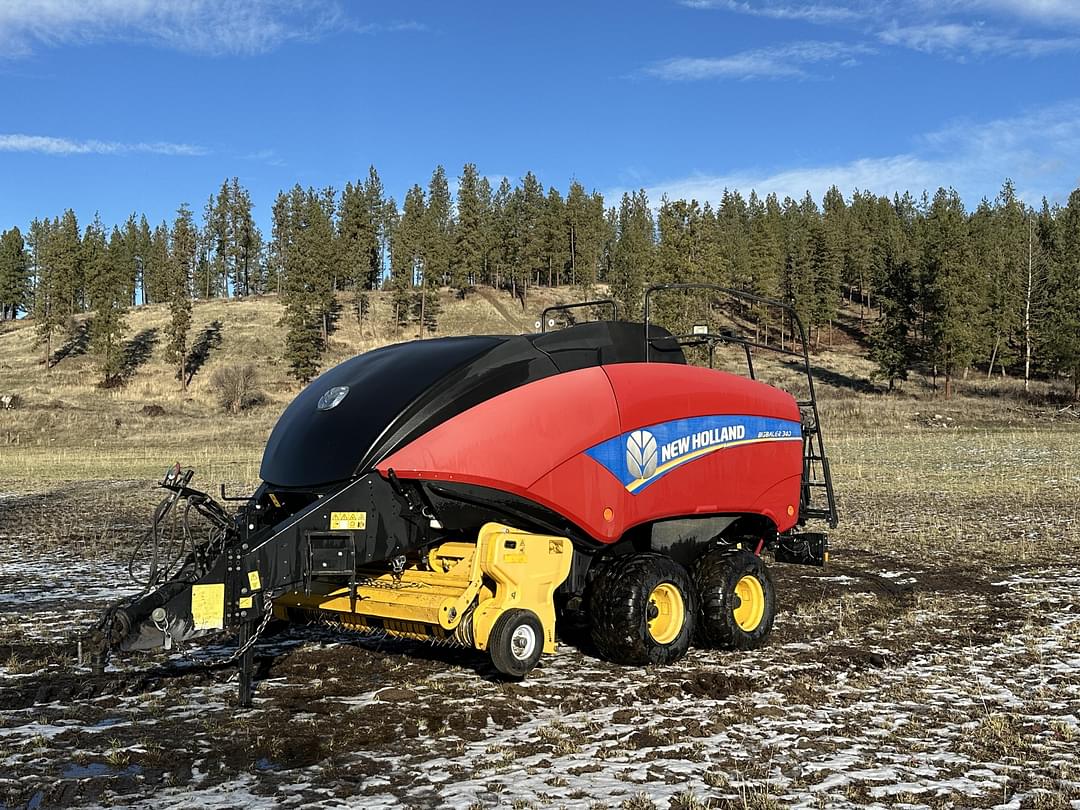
[235, 655]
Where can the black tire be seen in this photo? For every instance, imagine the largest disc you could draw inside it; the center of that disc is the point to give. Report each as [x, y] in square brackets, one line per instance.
[621, 606]
[516, 642]
[724, 620]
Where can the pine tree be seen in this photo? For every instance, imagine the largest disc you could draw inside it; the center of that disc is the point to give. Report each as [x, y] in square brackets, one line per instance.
[829, 264]
[530, 232]
[66, 256]
[375, 200]
[798, 277]
[182, 266]
[502, 232]
[892, 341]
[488, 233]
[216, 231]
[47, 289]
[863, 255]
[234, 242]
[1062, 340]
[708, 237]
[438, 232]
[156, 263]
[633, 253]
[401, 270]
[1005, 289]
[109, 298]
[246, 242]
[986, 257]
[1041, 270]
[674, 252]
[412, 250]
[765, 257]
[127, 261]
[587, 234]
[732, 232]
[952, 286]
[303, 239]
[555, 249]
[467, 261]
[141, 239]
[360, 225]
[14, 274]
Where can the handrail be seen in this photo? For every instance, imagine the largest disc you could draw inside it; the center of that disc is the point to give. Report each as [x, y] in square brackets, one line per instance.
[563, 307]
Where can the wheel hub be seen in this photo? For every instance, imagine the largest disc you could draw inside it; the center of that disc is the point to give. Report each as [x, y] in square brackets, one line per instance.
[749, 603]
[522, 642]
[666, 613]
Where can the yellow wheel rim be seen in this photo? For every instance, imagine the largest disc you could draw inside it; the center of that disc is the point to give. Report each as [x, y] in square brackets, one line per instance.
[750, 604]
[667, 613]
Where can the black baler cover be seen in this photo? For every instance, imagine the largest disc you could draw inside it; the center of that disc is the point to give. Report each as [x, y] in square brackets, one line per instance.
[309, 447]
[399, 392]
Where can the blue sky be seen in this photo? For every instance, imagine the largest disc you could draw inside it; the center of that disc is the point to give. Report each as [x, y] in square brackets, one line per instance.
[137, 105]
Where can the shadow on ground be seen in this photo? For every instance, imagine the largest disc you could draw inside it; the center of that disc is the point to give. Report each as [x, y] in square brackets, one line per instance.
[76, 345]
[208, 340]
[136, 352]
[835, 378]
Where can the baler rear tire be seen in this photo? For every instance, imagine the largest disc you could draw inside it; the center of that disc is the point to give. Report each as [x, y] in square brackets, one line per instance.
[621, 598]
[516, 642]
[720, 575]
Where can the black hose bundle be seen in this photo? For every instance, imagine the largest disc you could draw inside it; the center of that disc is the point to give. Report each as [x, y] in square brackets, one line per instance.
[176, 559]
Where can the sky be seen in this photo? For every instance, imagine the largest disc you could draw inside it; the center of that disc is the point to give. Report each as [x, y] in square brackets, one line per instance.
[121, 106]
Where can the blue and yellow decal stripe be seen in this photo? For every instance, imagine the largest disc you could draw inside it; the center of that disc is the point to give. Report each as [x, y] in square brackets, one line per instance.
[637, 458]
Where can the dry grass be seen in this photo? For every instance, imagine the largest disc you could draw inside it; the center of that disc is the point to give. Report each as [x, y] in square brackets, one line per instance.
[68, 429]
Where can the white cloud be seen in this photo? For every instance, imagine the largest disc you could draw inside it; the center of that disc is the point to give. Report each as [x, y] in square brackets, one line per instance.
[955, 28]
[49, 145]
[198, 26]
[809, 12]
[914, 11]
[978, 40]
[1043, 11]
[785, 61]
[1039, 150]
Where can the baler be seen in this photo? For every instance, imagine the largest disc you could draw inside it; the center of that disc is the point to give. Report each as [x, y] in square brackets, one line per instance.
[476, 490]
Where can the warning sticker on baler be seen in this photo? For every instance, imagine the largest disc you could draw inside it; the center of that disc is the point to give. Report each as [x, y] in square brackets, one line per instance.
[639, 457]
[348, 521]
[208, 606]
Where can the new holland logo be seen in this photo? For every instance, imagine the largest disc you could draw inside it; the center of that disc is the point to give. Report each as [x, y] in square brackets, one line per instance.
[641, 454]
[640, 457]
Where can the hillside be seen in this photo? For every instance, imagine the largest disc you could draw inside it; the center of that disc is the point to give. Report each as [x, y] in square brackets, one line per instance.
[67, 428]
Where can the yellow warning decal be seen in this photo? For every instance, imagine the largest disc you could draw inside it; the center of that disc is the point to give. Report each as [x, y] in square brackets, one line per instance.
[246, 603]
[348, 520]
[208, 606]
[253, 580]
[515, 557]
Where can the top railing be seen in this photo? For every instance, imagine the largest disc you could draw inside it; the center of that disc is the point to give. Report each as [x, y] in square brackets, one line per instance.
[545, 322]
[711, 338]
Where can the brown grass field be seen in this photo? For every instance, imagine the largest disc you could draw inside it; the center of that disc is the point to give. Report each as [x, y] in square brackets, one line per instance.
[934, 663]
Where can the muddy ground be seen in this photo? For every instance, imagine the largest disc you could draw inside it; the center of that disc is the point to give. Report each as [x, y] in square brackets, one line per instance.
[936, 673]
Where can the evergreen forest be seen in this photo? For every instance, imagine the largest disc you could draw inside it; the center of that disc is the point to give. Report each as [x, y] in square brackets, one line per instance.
[940, 286]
